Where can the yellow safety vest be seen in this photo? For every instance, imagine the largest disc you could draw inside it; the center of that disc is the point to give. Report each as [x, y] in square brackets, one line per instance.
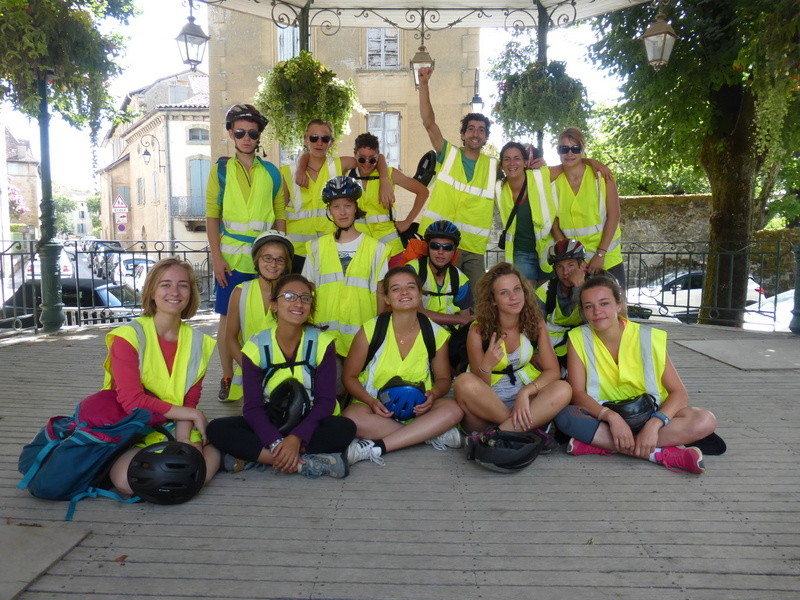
[581, 216]
[468, 204]
[346, 300]
[252, 319]
[525, 371]
[387, 362]
[558, 324]
[377, 223]
[257, 347]
[242, 219]
[642, 360]
[543, 211]
[306, 214]
[435, 298]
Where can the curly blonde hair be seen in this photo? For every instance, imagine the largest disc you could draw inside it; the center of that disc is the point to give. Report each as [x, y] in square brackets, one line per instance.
[486, 312]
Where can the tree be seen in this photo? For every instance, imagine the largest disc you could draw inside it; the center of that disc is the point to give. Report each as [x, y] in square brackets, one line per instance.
[59, 40]
[536, 97]
[64, 208]
[299, 90]
[724, 101]
[93, 206]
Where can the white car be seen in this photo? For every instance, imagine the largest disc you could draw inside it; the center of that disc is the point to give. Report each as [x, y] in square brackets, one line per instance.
[66, 265]
[775, 313]
[682, 293]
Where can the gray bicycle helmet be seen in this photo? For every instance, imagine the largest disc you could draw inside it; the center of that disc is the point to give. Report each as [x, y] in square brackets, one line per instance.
[287, 404]
[341, 186]
[507, 451]
[245, 111]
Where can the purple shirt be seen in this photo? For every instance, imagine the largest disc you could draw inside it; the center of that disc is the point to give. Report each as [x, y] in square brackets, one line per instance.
[323, 394]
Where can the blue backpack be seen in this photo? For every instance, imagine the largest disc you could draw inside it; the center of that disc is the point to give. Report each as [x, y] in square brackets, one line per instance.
[70, 459]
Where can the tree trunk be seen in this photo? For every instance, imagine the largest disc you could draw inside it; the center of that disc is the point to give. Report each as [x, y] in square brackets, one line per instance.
[731, 161]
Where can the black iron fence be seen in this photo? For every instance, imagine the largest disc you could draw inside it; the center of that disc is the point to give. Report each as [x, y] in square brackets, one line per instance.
[102, 281]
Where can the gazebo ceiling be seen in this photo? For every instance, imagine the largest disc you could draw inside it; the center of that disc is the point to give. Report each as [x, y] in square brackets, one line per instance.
[435, 14]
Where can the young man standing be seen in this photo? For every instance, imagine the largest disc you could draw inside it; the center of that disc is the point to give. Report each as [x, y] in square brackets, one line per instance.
[464, 189]
[243, 198]
[379, 221]
[559, 298]
[346, 267]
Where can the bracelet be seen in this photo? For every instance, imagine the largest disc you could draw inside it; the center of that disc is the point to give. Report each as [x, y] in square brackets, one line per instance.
[482, 370]
[275, 444]
[660, 415]
[602, 412]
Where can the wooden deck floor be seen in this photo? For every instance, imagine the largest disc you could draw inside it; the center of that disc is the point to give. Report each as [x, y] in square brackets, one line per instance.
[431, 525]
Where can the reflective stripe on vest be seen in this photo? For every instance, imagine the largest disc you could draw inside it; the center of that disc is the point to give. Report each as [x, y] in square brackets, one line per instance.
[648, 366]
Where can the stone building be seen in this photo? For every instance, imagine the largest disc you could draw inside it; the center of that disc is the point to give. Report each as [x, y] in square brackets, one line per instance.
[23, 174]
[153, 187]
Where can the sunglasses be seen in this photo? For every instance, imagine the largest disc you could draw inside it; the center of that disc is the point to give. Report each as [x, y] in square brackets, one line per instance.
[291, 297]
[371, 160]
[315, 138]
[576, 149]
[266, 258]
[240, 133]
[440, 246]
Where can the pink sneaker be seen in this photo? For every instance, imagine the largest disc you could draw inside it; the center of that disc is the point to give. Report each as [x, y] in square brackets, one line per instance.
[688, 460]
[578, 448]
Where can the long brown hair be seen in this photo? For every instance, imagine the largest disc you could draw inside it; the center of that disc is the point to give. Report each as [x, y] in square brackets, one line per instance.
[154, 277]
[486, 313]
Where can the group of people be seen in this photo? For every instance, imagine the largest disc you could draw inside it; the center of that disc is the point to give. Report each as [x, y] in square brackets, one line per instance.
[347, 347]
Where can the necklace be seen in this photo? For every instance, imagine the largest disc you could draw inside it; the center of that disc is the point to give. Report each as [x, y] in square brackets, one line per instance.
[403, 338]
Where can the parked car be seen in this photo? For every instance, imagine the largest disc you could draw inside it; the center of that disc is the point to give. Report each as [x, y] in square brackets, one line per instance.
[85, 301]
[126, 268]
[682, 294]
[66, 265]
[773, 314]
[104, 256]
[136, 279]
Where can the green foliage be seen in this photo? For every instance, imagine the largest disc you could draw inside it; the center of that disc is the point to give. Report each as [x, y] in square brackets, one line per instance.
[93, 206]
[64, 207]
[535, 97]
[299, 90]
[59, 40]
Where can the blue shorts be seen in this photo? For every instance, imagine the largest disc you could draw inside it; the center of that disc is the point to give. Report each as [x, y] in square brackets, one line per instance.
[223, 294]
[527, 263]
[576, 422]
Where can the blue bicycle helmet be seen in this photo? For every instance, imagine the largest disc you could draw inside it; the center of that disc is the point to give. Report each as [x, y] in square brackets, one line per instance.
[443, 229]
[400, 397]
[341, 186]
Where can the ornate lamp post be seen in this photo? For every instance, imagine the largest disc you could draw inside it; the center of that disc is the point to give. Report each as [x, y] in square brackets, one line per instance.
[192, 41]
[477, 101]
[659, 40]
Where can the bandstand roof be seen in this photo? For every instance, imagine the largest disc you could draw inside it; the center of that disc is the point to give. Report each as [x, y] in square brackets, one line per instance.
[436, 14]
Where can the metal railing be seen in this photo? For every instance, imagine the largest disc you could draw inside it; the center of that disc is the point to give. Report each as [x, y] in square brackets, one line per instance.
[100, 283]
[103, 283]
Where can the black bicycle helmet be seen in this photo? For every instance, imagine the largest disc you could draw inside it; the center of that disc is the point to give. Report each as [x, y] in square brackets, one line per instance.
[287, 405]
[167, 472]
[426, 168]
[245, 111]
[341, 186]
[276, 237]
[565, 249]
[443, 229]
[507, 451]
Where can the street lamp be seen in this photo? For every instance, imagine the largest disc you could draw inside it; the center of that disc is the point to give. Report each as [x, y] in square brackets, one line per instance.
[192, 41]
[145, 143]
[659, 40]
[421, 58]
[477, 101]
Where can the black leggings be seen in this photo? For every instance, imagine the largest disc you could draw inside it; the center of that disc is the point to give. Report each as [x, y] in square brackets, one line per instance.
[234, 436]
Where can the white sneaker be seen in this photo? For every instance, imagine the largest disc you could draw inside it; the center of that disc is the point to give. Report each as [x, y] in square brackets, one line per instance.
[361, 449]
[449, 439]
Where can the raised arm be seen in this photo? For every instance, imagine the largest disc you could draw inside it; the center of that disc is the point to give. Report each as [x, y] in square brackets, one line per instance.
[420, 195]
[426, 110]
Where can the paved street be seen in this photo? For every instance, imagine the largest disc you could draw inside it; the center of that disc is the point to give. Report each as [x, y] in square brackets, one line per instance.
[431, 525]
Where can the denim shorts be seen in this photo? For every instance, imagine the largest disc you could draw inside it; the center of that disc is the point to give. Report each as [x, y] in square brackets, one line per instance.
[223, 294]
[527, 263]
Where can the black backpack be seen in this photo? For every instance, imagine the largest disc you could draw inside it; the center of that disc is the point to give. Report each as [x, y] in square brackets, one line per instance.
[382, 326]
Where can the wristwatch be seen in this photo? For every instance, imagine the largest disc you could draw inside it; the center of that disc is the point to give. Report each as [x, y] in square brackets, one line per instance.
[659, 415]
[600, 253]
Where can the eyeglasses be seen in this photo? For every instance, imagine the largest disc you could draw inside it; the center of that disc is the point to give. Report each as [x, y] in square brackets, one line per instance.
[576, 149]
[240, 133]
[315, 138]
[266, 258]
[440, 246]
[291, 297]
[372, 160]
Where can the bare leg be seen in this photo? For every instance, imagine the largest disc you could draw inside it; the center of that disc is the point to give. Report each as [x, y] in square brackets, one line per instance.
[545, 405]
[482, 408]
[225, 358]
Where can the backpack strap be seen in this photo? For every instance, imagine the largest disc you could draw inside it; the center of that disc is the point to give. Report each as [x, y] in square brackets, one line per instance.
[308, 361]
[222, 169]
[452, 271]
[423, 269]
[382, 326]
[274, 173]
